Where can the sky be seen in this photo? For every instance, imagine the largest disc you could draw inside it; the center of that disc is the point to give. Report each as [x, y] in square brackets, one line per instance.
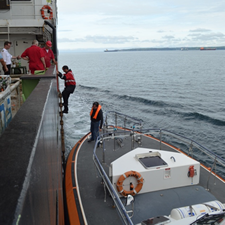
[122, 24]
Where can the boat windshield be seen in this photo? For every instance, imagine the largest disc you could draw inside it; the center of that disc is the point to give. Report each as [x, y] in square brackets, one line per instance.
[215, 218]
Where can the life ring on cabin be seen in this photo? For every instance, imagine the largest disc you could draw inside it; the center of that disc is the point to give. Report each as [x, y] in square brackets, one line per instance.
[133, 190]
[49, 11]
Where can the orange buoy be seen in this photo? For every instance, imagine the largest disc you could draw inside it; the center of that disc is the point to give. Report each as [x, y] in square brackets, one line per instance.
[43, 12]
[133, 191]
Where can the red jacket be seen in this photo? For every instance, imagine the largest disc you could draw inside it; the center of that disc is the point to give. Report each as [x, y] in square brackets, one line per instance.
[68, 77]
[35, 54]
[48, 56]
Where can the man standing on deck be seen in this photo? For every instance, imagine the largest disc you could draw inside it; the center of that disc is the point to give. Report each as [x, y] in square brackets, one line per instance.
[96, 115]
[3, 63]
[48, 54]
[35, 56]
[70, 85]
[8, 57]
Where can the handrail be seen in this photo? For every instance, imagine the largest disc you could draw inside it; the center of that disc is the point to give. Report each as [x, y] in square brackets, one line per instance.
[138, 131]
[57, 78]
[199, 146]
[114, 195]
[133, 119]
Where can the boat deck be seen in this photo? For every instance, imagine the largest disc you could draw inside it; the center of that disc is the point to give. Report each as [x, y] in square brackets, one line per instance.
[99, 207]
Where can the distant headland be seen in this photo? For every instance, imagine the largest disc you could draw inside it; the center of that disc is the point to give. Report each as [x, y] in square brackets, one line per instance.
[167, 49]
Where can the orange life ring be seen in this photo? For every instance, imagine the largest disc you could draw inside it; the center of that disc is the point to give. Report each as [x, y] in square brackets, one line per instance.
[49, 10]
[135, 190]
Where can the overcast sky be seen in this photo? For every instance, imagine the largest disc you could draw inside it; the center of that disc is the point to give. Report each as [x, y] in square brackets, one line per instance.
[116, 24]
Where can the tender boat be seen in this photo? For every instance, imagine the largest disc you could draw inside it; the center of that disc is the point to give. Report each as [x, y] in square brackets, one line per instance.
[143, 176]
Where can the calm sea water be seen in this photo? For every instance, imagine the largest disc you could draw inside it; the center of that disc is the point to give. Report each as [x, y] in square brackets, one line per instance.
[183, 91]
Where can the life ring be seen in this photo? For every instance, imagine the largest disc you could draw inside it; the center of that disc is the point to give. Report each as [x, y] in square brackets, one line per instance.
[49, 10]
[133, 191]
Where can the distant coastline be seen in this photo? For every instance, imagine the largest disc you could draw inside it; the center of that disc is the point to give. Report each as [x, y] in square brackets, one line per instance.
[167, 49]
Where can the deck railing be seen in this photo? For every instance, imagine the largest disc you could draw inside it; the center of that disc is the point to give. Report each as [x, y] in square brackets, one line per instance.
[133, 128]
[191, 148]
[116, 199]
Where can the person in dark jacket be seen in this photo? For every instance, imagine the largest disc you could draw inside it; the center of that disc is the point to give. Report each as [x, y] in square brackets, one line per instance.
[96, 115]
[70, 85]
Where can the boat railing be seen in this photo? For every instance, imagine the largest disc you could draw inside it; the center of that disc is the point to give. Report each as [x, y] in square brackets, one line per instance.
[120, 207]
[124, 120]
[191, 147]
[134, 130]
[113, 120]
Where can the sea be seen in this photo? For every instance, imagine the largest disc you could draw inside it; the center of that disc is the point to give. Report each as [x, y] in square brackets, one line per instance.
[181, 91]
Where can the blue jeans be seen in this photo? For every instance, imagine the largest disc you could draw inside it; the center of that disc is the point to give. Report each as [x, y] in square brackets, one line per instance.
[94, 130]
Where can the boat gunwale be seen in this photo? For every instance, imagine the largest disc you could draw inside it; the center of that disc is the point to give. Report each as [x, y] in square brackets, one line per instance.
[74, 208]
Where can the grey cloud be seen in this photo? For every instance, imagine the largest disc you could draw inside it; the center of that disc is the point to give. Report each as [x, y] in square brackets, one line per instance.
[200, 30]
[208, 36]
[168, 37]
[145, 41]
[157, 41]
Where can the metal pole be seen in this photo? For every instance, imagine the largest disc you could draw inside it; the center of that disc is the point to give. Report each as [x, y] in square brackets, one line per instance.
[160, 139]
[214, 163]
[125, 125]
[190, 150]
[116, 119]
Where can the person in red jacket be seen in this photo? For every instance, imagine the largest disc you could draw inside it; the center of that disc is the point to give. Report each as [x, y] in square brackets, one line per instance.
[70, 85]
[48, 54]
[35, 56]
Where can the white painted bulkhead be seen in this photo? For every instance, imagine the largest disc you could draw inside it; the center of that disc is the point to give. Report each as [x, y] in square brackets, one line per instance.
[172, 175]
[22, 23]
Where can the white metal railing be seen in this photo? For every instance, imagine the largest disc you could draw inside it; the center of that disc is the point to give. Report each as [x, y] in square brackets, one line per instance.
[134, 130]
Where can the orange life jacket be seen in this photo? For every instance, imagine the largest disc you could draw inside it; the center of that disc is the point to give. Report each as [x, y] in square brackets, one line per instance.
[96, 113]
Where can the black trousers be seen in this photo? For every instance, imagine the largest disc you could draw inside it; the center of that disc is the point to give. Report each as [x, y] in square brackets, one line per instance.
[66, 94]
[9, 70]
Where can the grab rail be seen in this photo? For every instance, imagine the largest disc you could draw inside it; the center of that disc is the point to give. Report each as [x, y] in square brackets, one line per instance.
[188, 141]
[133, 120]
[114, 195]
[130, 132]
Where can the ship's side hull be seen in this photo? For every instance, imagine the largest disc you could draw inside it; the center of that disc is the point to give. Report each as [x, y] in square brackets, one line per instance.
[31, 161]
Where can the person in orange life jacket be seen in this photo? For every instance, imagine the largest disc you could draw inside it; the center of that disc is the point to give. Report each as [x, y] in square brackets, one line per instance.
[48, 54]
[96, 115]
[70, 85]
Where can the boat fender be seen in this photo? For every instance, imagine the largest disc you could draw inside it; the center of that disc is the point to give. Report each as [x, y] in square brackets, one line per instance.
[49, 11]
[133, 191]
[191, 171]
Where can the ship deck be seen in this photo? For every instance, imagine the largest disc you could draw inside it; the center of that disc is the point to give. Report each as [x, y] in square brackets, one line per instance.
[98, 206]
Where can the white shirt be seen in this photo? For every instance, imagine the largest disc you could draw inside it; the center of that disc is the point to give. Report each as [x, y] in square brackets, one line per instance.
[6, 56]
